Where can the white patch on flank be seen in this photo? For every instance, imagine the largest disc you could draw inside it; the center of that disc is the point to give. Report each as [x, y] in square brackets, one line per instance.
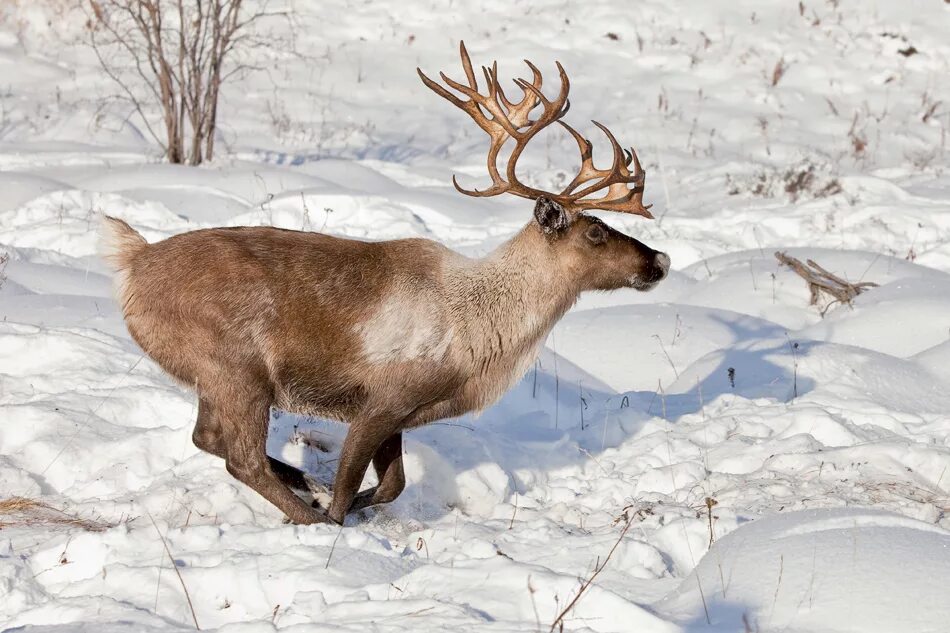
[403, 330]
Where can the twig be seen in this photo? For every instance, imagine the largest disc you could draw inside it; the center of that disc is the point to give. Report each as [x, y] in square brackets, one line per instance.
[710, 502]
[781, 568]
[333, 547]
[793, 347]
[534, 385]
[590, 579]
[171, 558]
[580, 394]
[668, 359]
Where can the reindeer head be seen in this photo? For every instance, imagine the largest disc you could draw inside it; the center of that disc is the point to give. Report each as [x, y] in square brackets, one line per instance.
[597, 256]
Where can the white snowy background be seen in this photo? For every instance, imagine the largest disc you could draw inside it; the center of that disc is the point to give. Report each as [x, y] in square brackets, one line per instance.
[818, 128]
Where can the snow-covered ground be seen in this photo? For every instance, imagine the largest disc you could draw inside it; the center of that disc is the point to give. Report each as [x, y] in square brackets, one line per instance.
[814, 128]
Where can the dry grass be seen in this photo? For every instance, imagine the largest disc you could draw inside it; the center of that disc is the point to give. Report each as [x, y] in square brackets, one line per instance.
[23, 512]
[171, 559]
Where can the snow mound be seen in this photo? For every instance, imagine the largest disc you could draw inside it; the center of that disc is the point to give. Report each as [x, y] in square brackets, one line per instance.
[833, 570]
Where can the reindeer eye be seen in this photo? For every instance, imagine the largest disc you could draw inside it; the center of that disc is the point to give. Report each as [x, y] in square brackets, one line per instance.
[596, 234]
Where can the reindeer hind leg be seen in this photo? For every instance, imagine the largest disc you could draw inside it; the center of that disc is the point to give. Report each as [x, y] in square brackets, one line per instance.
[241, 411]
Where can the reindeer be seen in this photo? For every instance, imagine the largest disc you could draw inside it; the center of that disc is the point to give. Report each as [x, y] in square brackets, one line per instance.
[386, 336]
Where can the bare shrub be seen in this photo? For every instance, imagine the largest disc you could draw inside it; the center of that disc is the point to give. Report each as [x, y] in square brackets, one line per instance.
[804, 180]
[175, 54]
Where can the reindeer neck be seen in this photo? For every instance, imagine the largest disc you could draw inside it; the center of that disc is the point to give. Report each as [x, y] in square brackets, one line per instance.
[510, 299]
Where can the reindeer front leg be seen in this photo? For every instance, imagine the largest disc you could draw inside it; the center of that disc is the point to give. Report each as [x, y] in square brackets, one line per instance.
[368, 439]
[387, 462]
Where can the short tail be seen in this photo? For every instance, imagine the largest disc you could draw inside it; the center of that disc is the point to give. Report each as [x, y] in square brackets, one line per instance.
[120, 243]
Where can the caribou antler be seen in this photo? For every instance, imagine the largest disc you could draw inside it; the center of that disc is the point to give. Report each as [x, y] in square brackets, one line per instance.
[507, 120]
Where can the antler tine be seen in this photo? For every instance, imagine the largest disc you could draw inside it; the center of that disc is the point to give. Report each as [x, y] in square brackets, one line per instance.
[587, 171]
[492, 96]
[497, 188]
[467, 65]
[439, 90]
[467, 91]
[585, 147]
[640, 174]
[488, 76]
[618, 163]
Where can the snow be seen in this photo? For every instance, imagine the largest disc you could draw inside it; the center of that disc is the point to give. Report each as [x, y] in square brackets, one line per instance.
[817, 570]
[826, 447]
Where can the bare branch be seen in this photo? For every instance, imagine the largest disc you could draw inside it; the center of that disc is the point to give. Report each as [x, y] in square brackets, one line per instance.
[821, 281]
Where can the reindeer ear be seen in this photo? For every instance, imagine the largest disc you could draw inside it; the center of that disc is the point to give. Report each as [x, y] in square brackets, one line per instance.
[551, 216]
